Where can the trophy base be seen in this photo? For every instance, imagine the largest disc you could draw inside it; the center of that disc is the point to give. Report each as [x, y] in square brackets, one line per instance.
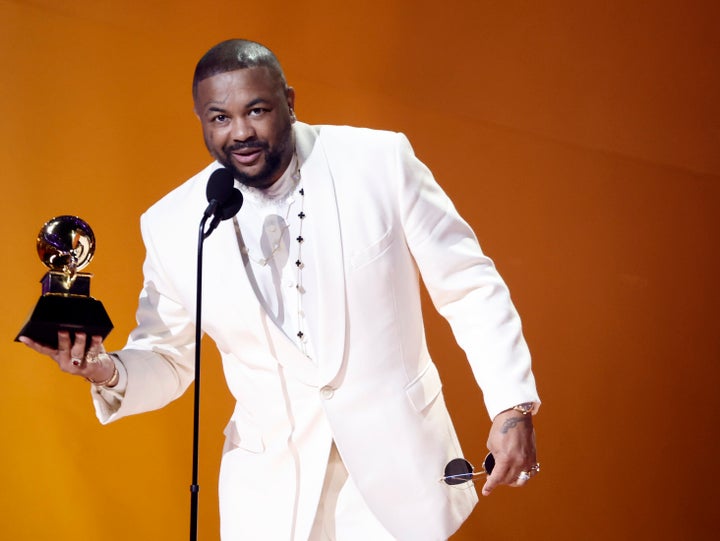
[55, 313]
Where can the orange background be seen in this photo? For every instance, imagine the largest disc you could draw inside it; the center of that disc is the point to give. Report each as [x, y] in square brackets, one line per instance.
[580, 139]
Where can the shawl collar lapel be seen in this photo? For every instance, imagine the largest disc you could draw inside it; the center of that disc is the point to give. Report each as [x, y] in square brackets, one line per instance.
[327, 318]
[238, 300]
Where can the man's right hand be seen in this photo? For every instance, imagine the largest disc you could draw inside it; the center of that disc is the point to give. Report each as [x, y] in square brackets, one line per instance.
[77, 358]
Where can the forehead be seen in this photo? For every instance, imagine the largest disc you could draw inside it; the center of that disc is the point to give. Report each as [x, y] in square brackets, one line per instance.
[239, 86]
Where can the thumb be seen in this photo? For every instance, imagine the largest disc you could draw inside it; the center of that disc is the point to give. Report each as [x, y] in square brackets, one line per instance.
[489, 486]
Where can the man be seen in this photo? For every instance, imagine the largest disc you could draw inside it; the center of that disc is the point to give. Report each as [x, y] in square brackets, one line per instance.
[311, 294]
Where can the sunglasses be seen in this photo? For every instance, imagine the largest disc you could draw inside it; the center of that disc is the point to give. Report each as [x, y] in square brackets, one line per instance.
[459, 470]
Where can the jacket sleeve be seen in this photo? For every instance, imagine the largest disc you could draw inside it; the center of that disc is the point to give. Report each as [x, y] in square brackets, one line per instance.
[464, 286]
[158, 359]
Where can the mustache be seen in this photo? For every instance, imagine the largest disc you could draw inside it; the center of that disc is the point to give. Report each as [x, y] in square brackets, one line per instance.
[244, 145]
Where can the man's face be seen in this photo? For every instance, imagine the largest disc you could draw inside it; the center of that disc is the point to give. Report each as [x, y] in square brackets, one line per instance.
[246, 123]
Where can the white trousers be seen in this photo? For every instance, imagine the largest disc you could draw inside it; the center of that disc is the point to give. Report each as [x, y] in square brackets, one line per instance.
[342, 514]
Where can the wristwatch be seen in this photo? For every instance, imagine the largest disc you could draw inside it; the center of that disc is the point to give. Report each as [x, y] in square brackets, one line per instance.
[525, 408]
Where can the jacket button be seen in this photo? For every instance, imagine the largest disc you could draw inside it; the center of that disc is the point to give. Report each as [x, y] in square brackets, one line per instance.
[327, 392]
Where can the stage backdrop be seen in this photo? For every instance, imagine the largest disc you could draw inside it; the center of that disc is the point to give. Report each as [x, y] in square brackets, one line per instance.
[580, 139]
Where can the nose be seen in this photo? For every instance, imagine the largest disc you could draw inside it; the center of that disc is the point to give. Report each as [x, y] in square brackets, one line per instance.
[242, 129]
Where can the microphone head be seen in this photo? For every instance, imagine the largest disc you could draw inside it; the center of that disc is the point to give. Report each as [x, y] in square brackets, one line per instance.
[220, 186]
[232, 205]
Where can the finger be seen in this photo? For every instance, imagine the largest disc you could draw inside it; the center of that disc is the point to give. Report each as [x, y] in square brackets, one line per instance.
[513, 480]
[37, 346]
[92, 355]
[507, 471]
[96, 347]
[77, 352]
[488, 487]
[526, 474]
[64, 345]
[499, 476]
[522, 478]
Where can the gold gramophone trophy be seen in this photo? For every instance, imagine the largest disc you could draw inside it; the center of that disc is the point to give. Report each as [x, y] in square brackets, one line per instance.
[66, 244]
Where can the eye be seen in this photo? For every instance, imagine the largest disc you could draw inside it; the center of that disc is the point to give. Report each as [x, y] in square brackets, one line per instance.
[257, 111]
[219, 118]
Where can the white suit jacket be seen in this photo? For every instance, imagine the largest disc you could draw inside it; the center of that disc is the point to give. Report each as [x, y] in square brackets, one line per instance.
[376, 220]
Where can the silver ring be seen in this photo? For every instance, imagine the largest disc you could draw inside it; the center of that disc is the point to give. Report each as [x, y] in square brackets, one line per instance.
[91, 358]
[527, 475]
[77, 361]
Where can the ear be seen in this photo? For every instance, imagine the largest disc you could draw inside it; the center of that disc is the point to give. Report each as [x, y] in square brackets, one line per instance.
[290, 98]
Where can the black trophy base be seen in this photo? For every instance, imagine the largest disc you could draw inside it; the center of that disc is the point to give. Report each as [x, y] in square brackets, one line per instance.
[75, 314]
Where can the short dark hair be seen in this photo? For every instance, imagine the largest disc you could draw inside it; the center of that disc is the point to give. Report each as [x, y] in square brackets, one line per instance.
[235, 54]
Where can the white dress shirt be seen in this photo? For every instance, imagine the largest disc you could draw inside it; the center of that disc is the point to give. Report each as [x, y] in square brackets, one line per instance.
[274, 251]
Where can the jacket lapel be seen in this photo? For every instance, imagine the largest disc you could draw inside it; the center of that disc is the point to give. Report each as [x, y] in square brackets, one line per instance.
[237, 299]
[326, 316]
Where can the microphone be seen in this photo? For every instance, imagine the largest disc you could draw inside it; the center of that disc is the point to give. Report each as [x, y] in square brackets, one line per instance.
[224, 200]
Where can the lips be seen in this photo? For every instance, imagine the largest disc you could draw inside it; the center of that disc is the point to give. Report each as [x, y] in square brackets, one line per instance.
[247, 156]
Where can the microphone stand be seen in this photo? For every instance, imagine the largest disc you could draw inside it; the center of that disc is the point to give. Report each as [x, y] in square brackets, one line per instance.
[195, 487]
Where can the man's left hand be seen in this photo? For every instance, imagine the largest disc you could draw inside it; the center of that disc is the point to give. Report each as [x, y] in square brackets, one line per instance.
[512, 443]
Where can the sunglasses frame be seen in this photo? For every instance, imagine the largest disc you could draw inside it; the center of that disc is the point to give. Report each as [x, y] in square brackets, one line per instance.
[459, 470]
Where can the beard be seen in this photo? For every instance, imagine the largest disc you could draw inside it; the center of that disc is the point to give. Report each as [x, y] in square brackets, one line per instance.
[275, 159]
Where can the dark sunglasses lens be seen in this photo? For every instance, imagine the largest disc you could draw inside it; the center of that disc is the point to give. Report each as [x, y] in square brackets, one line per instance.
[458, 471]
[489, 463]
